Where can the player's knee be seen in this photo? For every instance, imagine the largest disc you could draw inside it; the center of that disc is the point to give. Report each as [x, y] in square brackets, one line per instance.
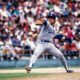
[61, 56]
[35, 55]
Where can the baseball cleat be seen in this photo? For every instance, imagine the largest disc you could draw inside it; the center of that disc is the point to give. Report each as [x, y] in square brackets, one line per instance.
[70, 71]
[28, 69]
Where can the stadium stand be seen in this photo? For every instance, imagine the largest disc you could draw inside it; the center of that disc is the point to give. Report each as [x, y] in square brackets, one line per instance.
[17, 24]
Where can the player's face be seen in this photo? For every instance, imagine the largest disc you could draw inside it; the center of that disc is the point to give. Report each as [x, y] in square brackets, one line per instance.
[51, 20]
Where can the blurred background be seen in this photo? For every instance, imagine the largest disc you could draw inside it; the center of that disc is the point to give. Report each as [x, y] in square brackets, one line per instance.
[18, 31]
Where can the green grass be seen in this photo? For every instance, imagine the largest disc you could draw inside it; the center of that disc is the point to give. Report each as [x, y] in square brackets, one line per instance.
[11, 76]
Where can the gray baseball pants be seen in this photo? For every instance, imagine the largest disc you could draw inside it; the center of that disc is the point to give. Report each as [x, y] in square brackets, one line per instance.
[50, 48]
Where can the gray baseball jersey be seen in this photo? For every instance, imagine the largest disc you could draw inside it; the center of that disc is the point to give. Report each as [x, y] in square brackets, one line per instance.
[47, 32]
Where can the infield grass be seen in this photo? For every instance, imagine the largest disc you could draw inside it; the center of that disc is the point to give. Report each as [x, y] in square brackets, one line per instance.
[11, 76]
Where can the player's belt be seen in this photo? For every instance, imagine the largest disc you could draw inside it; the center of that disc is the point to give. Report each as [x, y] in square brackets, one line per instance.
[45, 41]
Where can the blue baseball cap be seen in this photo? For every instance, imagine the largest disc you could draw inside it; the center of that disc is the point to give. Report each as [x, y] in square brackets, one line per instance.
[51, 15]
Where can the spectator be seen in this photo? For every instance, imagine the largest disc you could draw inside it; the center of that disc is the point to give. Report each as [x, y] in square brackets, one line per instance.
[9, 49]
[1, 49]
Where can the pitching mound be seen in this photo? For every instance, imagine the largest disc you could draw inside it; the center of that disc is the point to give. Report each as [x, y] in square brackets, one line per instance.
[55, 76]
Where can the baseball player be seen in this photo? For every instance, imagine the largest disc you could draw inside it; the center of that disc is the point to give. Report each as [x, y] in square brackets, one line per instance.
[45, 42]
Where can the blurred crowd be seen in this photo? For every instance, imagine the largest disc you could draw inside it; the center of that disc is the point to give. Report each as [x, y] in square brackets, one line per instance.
[18, 31]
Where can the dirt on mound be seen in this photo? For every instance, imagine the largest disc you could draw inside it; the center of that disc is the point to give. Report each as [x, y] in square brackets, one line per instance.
[55, 76]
